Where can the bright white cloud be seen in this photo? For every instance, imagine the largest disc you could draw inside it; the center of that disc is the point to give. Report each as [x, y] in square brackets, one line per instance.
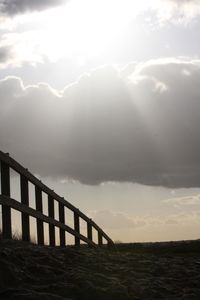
[77, 30]
[20, 48]
[182, 201]
[176, 11]
[166, 7]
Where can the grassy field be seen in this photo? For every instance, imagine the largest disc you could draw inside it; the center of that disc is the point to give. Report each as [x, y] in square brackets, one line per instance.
[127, 271]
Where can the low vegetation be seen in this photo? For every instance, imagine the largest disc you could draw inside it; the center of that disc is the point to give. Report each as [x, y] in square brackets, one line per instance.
[126, 271]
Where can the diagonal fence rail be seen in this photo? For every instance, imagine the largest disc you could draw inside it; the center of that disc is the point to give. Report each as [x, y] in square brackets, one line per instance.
[7, 163]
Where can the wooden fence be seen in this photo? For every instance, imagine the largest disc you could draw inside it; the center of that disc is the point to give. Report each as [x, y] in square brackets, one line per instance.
[7, 203]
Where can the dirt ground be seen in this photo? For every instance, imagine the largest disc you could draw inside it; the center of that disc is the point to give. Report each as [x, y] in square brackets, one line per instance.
[128, 271]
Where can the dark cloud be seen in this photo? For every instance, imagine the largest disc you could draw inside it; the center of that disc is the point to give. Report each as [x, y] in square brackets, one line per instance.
[109, 127]
[13, 7]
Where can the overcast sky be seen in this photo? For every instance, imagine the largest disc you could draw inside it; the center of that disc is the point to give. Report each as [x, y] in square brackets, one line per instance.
[102, 98]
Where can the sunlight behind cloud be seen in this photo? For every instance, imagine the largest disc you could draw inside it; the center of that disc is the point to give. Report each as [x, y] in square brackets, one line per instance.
[78, 30]
[85, 28]
[81, 31]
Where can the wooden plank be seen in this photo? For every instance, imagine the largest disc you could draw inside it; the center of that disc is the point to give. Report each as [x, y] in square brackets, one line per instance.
[89, 231]
[62, 220]
[77, 228]
[6, 211]
[21, 170]
[40, 226]
[51, 214]
[4, 200]
[25, 200]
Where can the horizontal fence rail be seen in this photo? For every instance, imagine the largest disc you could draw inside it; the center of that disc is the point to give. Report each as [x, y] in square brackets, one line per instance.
[7, 163]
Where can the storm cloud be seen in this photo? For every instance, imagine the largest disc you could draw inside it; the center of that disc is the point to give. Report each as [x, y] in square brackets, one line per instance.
[13, 7]
[138, 124]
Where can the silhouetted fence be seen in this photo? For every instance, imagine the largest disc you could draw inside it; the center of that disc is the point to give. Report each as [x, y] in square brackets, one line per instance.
[7, 203]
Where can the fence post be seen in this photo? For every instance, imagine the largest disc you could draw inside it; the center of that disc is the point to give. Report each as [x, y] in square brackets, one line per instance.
[89, 231]
[62, 220]
[100, 239]
[40, 227]
[76, 228]
[24, 216]
[51, 215]
[6, 210]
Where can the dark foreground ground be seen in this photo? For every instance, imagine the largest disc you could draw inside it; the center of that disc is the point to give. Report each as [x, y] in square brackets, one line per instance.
[129, 271]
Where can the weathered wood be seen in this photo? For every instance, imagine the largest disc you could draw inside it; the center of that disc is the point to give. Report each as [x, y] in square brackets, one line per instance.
[25, 200]
[4, 200]
[76, 228]
[40, 225]
[100, 239]
[51, 214]
[62, 220]
[89, 231]
[21, 170]
[6, 211]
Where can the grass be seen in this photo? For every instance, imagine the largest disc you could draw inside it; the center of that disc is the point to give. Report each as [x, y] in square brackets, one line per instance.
[125, 272]
[172, 247]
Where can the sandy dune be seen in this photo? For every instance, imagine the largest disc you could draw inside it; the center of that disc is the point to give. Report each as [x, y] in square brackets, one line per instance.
[135, 271]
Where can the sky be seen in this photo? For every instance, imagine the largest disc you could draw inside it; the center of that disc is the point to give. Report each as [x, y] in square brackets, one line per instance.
[100, 99]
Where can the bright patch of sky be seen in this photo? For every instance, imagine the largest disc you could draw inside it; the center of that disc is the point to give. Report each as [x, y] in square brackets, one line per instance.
[81, 36]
